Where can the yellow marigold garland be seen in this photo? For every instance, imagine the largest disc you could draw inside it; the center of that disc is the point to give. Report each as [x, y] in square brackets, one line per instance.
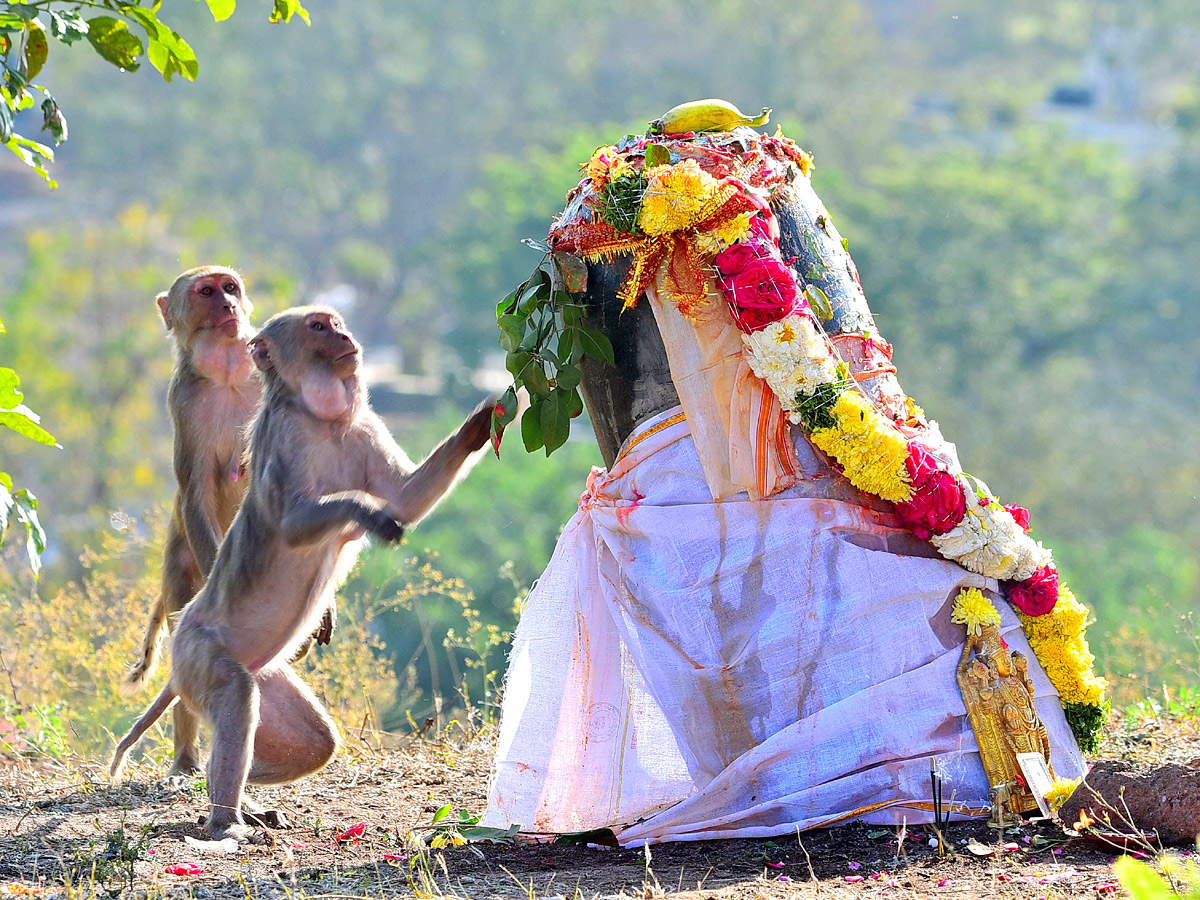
[869, 449]
[1060, 644]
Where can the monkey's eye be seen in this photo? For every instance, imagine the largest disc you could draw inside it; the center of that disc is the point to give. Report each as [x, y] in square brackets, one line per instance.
[206, 291]
[316, 325]
[231, 288]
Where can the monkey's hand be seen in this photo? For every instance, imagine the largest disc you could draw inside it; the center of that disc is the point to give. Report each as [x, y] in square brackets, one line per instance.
[382, 525]
[328, 621]
[477, 429]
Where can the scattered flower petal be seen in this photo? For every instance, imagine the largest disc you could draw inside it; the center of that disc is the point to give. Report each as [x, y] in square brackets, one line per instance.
[353, 833]
[186, 869]
[854, 878]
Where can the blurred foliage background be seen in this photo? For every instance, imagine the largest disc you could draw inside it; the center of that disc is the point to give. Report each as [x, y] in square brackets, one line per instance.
[1019, 183]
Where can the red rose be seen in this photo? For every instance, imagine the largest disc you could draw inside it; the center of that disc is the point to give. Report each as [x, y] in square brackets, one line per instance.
[1037, 594]
[938, 502]
[1020, 513]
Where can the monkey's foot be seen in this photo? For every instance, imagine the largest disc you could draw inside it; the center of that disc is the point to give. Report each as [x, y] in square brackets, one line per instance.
[257, 814]
[184, 767]
[243, 834]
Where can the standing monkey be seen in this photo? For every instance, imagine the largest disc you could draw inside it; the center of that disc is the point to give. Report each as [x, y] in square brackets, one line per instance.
[324, 471]
[211, 400]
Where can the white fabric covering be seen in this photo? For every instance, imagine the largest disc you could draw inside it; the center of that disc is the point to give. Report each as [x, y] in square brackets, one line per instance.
[689, 669]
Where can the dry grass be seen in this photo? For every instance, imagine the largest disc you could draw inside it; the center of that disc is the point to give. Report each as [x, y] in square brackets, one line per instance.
[64, 831]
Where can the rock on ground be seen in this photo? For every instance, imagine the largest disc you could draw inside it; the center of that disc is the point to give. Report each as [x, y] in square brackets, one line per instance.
[1165, 798]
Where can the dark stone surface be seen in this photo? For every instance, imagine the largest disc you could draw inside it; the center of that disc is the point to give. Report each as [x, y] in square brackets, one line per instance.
[1165, 799]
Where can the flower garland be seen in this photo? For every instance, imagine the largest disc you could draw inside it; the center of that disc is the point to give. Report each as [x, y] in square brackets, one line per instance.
[696, 226]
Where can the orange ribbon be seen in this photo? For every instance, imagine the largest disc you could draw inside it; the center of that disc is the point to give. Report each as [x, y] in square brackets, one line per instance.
[685, 282]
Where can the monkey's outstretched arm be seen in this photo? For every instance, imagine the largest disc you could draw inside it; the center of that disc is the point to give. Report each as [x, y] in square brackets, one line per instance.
[412, 494]
[307, 520]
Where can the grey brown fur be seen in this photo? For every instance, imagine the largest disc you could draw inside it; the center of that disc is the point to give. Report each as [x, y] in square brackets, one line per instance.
[324, 471]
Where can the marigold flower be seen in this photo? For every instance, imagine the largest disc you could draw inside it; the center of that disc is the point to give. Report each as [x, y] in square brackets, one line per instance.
[973, 609]
[677, 197]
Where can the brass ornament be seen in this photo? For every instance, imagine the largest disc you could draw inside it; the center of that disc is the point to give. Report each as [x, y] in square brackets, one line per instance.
[998, 694]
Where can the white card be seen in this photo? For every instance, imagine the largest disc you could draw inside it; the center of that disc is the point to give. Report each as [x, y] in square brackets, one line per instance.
[1037, 776]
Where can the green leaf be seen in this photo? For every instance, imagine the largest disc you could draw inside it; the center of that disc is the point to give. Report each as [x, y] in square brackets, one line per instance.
[573, 272]
[572, 314]
[568, 377]
[535, 381]
[36, 50]
[477, 833]
[34, 155]
[10, 393]
[531, 426]
[167, 51]
[509, 303]
[819, 302]
[285, 9]
[6, 121]
[68, 27]
[113, 40]
[556, 422]
[24, 421]
[25, 507]
[572, 403]
[444, 811]
[7, 502]
[657, 155]
[22, 12]
[516, 363]
[512, 329]
[596, 343]
[54, 121]
[221, 9]
[1140, 880]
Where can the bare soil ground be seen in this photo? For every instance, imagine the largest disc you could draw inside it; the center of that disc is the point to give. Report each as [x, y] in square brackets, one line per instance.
[65, 831]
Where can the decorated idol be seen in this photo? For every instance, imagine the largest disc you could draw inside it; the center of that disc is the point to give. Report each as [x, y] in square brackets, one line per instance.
[784, 598]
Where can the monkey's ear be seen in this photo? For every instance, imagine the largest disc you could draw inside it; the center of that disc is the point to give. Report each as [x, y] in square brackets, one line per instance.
[261, 353]
[165, 309]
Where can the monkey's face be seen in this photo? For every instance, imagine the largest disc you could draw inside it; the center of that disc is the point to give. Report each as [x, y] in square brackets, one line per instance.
[326, 340]
[217, 302]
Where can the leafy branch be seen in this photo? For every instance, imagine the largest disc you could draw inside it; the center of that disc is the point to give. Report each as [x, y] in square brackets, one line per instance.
[25, 48]
[21, 505]
[542, 331]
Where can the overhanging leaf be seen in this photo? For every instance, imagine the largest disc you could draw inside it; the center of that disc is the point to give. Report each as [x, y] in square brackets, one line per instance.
[25, 507]
[285, 9]
[24, 421]
[113, 40]
[68, 27]
[6, 501]
[531, 426]
[10, 393]
[221, 9]
[36, 50]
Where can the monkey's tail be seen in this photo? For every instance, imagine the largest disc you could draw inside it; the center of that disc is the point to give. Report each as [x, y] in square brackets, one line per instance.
[161, 704]
[136, 677]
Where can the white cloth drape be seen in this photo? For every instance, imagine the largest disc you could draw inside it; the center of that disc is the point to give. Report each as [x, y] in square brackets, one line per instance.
[689, 669]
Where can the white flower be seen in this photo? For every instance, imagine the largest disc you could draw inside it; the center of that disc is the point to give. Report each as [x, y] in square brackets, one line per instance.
[790, 356]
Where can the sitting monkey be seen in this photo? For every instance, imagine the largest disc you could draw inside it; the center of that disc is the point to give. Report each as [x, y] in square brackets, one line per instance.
[324, 471]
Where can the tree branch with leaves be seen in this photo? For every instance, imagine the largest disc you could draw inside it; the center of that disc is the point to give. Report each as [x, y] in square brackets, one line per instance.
[120, 31]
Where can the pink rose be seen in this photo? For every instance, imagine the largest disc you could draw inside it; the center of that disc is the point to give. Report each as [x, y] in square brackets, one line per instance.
[733, 259]
[1037, 594]
[1020, 514]
[938, 502]
[762, 292]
